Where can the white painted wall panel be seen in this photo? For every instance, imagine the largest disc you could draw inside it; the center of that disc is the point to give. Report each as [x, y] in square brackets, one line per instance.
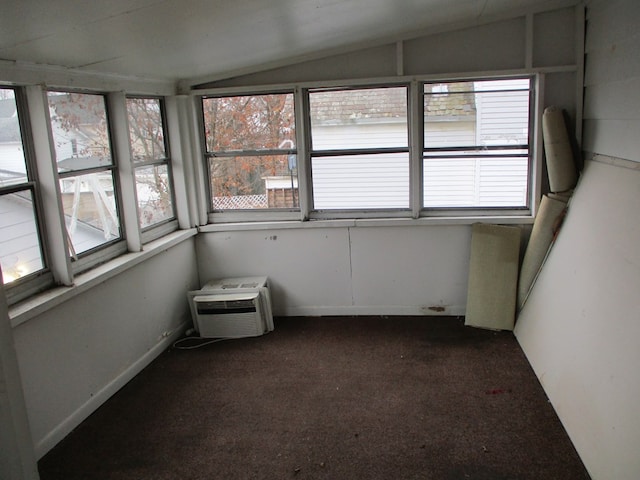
[350, 270]
[410, 270]
[579, 327]
[618, 100]
[610, 22]
[480, 48]
[619, 138]
[309, 269]
[74, 356]
[554, 38]
[612, 79]
[370, 62]
[613, 62]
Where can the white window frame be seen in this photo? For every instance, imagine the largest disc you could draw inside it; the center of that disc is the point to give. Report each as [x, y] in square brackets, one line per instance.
[168, 225]
[253, 215]
[532, 187]
[34, 282]
[111, 249]
[318, 213]
[416, 211]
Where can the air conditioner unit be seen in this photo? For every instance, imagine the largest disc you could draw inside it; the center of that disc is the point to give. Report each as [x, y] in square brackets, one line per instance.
[232, 308]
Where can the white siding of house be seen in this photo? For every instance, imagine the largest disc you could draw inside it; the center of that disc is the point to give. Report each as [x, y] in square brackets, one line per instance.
[460, 182]
[19, 248]
[364, 134]
[503, 118]
[361, 181]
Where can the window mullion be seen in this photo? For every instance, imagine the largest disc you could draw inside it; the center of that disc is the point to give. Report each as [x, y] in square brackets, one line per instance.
[57, 240]
[179, 149]
[192, 116]
[120, 140]
[416, 140]
[303, 142]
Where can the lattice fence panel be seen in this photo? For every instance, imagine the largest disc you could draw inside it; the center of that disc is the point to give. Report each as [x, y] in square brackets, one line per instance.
[240, 202]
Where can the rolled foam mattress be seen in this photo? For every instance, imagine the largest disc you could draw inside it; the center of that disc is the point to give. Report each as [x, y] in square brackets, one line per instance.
[545, 226]
[561, 167]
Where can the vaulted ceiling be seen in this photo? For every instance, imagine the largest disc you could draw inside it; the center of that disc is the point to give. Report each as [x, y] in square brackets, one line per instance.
[183, 39]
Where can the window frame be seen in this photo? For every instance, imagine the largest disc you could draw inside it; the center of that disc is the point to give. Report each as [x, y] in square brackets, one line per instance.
[476, 211]
[391, 212]
[168, 225]
[251, 215]
[415, 121]
[81, 262]
[37, 281]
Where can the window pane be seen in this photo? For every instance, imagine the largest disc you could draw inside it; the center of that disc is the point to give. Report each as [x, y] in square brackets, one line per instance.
[366, 118]
[361, 181]
[80, 132]
[481, 113]
[476, 144]
[155, 203]
[146, 132]
[90, 210]
[20, 252]
[472, 181]
[251, 122]
[253, 182]
[13, 169]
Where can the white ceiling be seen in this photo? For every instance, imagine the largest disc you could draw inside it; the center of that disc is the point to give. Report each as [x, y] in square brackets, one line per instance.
[188, 39]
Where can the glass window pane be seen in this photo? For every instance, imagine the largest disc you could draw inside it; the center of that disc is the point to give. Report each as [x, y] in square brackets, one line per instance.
[80, 131]
[365, 118]
[20, 252]
[155, 200]
[251, 122]
[146, 132]
[361, 181]
[480, 113]
[253, 182]
[472, 181]
[90, 210]
[450, 115]
[488, 122]
[13, 169]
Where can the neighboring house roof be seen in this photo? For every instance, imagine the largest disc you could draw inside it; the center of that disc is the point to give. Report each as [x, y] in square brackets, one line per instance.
[387, 104]
[370, 104]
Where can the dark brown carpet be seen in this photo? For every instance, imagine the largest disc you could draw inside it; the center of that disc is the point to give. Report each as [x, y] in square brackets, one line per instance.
[329, 398]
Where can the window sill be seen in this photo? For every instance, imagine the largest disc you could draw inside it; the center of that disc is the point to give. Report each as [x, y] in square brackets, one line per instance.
[33, 306]
[368, 222]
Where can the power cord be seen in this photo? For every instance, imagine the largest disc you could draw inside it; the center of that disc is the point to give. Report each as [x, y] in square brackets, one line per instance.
[196, 342]
[208, 341]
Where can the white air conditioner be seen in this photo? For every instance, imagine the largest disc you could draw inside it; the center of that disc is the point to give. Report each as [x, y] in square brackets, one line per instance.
[232, 308]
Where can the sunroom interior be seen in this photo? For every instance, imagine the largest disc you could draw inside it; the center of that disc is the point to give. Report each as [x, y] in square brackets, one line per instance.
[107, 292]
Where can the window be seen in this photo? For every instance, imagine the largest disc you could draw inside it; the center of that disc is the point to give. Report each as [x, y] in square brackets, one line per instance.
[21, 249]
[86, 170]
[251, 152]
[152, 170]
[416, 149]
[359, 148]
[476, 144]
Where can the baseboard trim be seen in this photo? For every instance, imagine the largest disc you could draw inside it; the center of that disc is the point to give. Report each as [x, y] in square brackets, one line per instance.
[399, 310]
[72, 421]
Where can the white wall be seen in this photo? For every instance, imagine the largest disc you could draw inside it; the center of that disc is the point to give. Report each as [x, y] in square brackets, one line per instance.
[348, 270]
[395, 269]
[612, 79]
[74, 356]
[580, 325]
